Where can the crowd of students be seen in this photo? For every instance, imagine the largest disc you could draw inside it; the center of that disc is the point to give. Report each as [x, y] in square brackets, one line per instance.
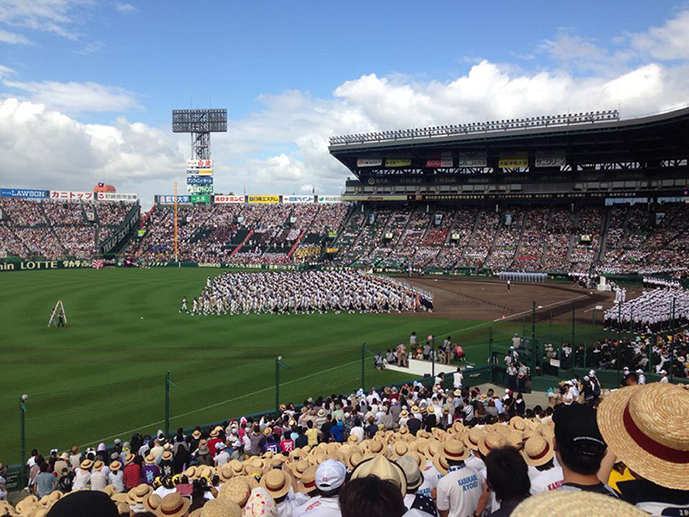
[415, 451]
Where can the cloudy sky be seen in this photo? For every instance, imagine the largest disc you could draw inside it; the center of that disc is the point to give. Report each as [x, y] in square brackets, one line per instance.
[87, 86]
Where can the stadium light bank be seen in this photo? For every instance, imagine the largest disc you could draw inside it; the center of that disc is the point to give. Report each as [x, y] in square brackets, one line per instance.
[568, 119]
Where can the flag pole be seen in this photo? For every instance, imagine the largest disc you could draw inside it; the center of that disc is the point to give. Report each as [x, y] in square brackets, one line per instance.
[176, 255]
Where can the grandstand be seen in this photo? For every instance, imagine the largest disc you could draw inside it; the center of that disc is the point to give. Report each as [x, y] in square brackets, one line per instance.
[572, 196]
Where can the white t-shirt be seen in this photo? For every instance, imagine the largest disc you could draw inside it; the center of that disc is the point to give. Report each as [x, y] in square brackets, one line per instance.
[458, 378]
[319, 507]
[99, 480]
[431, 476]
[459, 491]
[81, 480]
[358, 432]
[116, 479]
[548, 480]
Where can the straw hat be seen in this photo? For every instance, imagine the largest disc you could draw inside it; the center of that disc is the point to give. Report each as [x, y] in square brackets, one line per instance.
[196, 434]
[214, 433]
[108, 490]
[299, 468]
[173, 505]
[129, 458]
[123, 508]
[150, 459]
[119, 497]
[268, 431]
[353, 459]
[473, 438]
[454, 450]
[152, 502]
[138, 494]
[221, 508]
[411, 471]
[646, 427]
[518, 423]
[382, 468]
[399, 449]
[418, 458]
[237, 467]
[98, 465]
[205, 471]
[23, 505]
[190, 472]
[225, 472]
[307, 483]
[490, 441]
[566, 503]
[276, 482]
[236, 490]
[167, 455]
[115, 466]
[86, 464]
[538, 450]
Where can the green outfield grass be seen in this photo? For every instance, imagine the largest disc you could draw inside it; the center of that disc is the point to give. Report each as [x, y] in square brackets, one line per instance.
[103, 376]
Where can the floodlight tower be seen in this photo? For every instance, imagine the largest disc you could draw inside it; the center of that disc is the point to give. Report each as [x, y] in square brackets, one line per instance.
[200, 123]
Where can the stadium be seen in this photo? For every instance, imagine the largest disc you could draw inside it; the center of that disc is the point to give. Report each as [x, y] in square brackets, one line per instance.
[476, 301]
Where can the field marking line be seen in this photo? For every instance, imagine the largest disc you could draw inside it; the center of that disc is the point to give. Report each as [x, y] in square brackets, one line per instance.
[221, 403]
[555, 304]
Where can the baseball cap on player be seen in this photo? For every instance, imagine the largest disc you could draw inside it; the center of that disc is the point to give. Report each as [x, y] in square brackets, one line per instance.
[330, 475]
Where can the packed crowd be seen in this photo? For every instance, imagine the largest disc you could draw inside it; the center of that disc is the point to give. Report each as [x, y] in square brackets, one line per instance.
[415, 451]
[56, 229]
[216, 233]
[305, 291]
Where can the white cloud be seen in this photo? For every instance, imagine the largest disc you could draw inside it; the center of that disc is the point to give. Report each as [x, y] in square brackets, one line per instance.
[50, 150]
[13, 38]
[92, 47]
[668, 42]
[45, 15]
[125, 8]
[75, 98]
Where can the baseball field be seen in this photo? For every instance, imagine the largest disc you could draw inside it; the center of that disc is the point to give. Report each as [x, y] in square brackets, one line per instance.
[103, 376]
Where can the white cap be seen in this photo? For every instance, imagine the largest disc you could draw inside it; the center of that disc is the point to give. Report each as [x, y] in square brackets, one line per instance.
[592, 373]
[330, 475]
[663, 372]
[640, 371]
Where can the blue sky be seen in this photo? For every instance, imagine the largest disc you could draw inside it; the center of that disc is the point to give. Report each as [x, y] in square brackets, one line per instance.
[101, 78]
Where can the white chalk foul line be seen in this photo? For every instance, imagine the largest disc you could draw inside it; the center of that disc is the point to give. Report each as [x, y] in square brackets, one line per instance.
[555, 304]
[199, 410]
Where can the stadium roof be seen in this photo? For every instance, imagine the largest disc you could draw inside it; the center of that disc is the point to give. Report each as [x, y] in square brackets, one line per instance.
[581, 138]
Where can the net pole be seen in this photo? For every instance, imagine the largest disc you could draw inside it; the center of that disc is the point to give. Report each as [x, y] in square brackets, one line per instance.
[167, 404]
[176, 248]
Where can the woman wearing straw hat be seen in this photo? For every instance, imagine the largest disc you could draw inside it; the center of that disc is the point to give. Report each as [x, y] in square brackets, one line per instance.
[646, 427]
[83, 475]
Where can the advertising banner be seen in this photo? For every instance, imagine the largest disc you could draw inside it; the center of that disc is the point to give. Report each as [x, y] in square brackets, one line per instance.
[200, 189]
[170, 200]
[369, 162]
[199, 180]
[471, 160]
[297, 199]
[116, 196]
[228, 199]
[200, 164]
[552, 159]
[329, 199]
[264, 199]
[205, 172]
[17, 192]
[202, 198]
[446, 160]
[398, 162]
[69, 195]
[434, 163]
[513, 161]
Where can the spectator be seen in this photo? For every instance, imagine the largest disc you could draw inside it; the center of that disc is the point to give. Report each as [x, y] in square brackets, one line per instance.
[507, 476]
[580, 449]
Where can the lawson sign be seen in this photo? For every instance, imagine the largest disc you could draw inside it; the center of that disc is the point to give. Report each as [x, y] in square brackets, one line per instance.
[30, 193]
